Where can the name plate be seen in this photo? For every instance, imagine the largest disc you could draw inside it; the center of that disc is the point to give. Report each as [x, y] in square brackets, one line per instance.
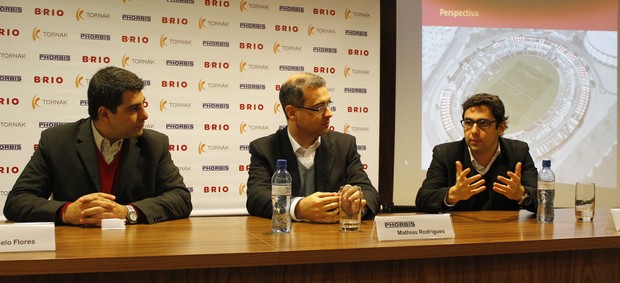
[615, 215]
[27, 237]
[412, 227]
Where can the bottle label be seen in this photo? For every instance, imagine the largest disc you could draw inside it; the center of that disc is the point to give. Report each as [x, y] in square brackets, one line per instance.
[280, 190]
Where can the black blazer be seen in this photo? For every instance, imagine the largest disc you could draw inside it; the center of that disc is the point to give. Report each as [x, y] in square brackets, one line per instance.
[337, 163]
[441, 175]
[64, 166]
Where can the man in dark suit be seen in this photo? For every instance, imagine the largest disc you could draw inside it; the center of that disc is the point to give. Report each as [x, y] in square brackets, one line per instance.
[319, 160]
[475, 172]
[105, 166]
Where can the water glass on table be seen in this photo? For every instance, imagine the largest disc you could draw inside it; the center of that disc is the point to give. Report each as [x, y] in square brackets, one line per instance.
[350, 204]
[584, 201]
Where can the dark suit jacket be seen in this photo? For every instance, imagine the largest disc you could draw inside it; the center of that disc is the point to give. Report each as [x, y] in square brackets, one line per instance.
[64, 166]
[336, 162]
[441, 176]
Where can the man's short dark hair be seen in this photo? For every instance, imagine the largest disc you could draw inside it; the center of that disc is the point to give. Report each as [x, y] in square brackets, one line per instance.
[492, 101]
[107, 86]
[292, 91]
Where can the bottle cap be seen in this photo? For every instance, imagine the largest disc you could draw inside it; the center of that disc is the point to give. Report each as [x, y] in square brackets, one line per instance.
[546, 163]
[281, 163]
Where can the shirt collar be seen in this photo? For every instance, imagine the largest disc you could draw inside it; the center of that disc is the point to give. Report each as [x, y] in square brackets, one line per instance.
[478, 167]
[298, 149]
[107, 150]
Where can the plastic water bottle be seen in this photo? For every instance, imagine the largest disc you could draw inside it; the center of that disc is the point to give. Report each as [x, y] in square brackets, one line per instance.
[281, 198]
[546, 193]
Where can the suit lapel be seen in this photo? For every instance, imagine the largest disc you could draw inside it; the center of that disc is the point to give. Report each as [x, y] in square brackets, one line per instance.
[87, 150]
[129, 157]
[323, 163]
[286, 152]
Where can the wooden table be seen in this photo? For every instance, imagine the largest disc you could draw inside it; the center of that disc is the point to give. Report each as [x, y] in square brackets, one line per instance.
[490, 246]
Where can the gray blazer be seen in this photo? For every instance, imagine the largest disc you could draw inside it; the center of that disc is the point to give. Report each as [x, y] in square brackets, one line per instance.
[64, 166]
[337, 163]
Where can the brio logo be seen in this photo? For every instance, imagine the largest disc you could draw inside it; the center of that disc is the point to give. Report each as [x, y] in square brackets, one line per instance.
[251, 107]
[48, 80]
[216, 127]
[134, 39]
[174, 21]
[174, 84]
[177, 147]
[216, 65]
[358, 52]
[217, 3]
[251, 46]
[286, 28]
[9, 32]
[9, 170]
[324, 70]
[357, 109]
[9, 101]
[79, 81]
[48, 12]
[215, 189]
[244, 167]
[324, 12]
[96, 59]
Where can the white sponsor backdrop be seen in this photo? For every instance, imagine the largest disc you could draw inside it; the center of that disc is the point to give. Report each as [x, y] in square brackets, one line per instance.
[212, 70]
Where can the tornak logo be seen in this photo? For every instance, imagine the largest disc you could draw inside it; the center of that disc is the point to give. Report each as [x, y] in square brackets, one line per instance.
[202, 23]
[242, 5]
[35, 34]
[242, 128]
[125, 61]
[78, 81]
[276, 47]
[201, 148]
[242, 189]
[347, 14]
[242, 66]
[162, 105]
[162, 41]
[310, 30]
[346, 128]
[276, 107]
[201, 85]
[79, 14]
[347, 71]
[35, 102]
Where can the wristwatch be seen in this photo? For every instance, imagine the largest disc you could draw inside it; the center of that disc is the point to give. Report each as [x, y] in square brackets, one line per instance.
[132, 215]
[525, 199]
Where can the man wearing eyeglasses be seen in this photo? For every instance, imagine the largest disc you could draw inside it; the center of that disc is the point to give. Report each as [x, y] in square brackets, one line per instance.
[319, 160]
[483, 171]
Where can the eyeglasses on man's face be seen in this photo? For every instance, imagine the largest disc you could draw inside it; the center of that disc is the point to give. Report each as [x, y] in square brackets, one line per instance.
[482, 123]
[323, 108]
